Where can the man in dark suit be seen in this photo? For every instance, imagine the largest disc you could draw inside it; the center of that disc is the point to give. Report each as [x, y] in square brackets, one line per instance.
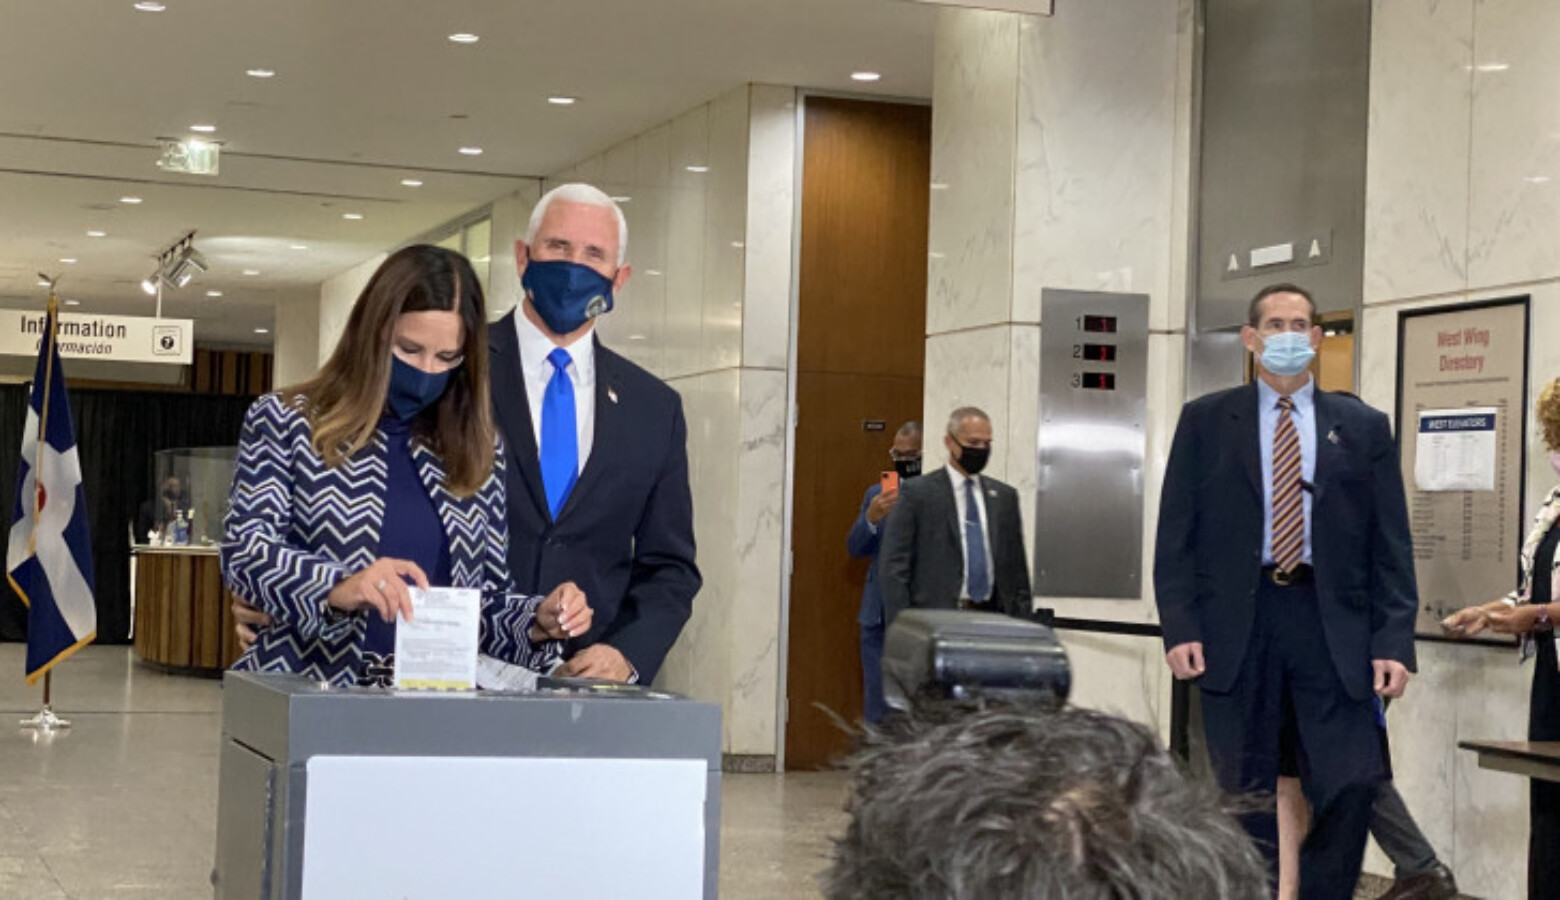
[1285, 583]
[863, 542]
[598, 458]
[956, 539]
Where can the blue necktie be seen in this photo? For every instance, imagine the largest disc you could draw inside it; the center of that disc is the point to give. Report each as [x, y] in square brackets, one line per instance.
[975, 546]
[560, 440]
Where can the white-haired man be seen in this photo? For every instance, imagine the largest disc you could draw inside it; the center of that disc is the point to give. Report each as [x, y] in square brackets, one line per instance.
[598, 460]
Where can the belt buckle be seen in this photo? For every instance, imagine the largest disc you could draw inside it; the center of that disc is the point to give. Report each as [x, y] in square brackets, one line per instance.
[1282, 578]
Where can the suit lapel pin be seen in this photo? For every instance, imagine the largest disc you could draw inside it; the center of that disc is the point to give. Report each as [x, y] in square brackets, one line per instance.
[991, 492]
[612, 395]
[1332, 436]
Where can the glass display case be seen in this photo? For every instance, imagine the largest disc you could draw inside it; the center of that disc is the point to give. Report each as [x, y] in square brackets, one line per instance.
[192, 485]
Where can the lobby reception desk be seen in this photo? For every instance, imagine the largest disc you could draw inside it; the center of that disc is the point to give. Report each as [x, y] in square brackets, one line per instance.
[570, 790]
[183, 615]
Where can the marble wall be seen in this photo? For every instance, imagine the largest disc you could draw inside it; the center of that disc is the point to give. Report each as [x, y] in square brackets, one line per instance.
[295, 333]
[709, 198]
[1056, 165]
[337, 294]
[1461, 205]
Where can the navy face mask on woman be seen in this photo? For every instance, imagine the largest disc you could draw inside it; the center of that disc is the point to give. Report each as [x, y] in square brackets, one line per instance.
[566, 294]
[412, 390]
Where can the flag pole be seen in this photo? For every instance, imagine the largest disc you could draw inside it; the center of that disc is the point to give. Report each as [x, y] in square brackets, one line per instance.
[45, 720]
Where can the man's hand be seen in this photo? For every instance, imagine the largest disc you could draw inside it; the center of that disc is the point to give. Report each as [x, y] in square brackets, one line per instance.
[1517, 620]
[564, 614]
[1391, 677]
[880, 506]
[598, 661]
[1186, 660]
[246, 620]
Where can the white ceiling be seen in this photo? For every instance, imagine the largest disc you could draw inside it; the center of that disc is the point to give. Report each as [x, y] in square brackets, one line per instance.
[367, 92]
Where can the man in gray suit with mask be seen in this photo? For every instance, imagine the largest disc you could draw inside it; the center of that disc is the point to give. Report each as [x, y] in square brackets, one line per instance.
[956, 539]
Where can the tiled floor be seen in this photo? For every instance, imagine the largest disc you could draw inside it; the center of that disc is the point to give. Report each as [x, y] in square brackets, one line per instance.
[123, 805]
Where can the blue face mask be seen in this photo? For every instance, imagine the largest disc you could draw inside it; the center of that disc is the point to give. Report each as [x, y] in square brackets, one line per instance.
[565, 294]
[412, 390]
[1286, 353]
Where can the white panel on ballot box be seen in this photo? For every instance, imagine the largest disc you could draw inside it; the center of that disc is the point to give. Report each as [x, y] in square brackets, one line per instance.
[436, 827]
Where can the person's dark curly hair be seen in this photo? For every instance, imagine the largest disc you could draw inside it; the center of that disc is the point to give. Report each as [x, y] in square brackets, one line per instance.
[1003, 803]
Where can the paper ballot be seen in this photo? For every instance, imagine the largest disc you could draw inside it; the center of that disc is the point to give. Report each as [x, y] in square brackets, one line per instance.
[437, 649]
[1455, 450]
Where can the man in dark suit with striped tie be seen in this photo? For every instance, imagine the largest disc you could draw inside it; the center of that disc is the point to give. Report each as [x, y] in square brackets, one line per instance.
[1285, 583]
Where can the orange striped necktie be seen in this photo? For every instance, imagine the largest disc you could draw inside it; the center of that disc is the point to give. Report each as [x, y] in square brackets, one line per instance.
[1288, 511]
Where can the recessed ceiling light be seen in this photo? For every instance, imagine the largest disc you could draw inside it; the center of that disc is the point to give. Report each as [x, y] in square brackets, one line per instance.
[251, 271]
[621, 199]
[352, 217]
[471, 151]
[213, 293]
[939, 186]
[1537, 179]
[464, 37]
[97, 234]
[1492, 67]
[130, 200]
[150, 6]
[203, 129]
[636, 337]
[652, 271]
[68, 260]
[43, 282]
[261, 73]
[411, 182]
[72, 302]
[262, 331]
[562, 100]
[297, 247]
[865, 76]
[697, 170]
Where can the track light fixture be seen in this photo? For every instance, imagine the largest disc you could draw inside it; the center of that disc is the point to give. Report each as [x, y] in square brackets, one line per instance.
[177, 266]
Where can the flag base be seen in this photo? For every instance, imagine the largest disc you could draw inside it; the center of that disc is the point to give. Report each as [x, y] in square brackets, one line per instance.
[45, 720]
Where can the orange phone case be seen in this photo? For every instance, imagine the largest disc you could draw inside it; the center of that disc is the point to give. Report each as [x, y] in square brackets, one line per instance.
[889, 481]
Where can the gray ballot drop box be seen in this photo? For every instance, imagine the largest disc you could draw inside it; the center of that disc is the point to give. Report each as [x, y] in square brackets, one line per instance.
[273, 726]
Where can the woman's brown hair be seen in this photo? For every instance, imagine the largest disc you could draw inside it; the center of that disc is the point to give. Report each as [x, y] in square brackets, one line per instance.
[1548, 413]
[345, 399]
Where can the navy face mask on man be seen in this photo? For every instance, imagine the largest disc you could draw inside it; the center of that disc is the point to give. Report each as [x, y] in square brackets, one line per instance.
[566, 294]
[412, 390]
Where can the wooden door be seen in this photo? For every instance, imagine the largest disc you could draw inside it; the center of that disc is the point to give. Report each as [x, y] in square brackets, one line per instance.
[860, 357]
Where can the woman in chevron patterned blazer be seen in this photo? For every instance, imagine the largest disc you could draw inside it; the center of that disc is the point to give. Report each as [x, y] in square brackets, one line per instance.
[380, 470]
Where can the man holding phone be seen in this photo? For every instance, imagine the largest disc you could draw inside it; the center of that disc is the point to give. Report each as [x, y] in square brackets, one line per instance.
[863, 542]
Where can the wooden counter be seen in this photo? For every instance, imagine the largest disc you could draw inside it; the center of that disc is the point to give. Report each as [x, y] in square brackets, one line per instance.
[183, 616]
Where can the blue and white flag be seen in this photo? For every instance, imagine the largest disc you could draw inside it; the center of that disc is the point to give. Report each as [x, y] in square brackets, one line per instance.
[49, 559]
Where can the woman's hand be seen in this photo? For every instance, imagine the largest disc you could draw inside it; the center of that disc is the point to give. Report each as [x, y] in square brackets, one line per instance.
[379, 587]
[1517, 620]
[1466, 622]
[564, 614]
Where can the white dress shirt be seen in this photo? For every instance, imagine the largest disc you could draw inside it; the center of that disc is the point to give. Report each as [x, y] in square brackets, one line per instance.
[959, 478]
[535, 345]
